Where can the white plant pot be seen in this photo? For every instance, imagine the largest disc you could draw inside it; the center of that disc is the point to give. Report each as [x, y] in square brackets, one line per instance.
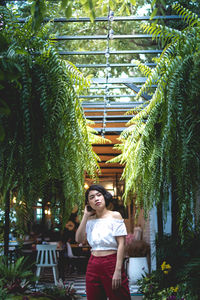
[137, 266]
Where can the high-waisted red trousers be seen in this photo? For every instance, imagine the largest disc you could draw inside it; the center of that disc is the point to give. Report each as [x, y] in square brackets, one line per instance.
[99, 279]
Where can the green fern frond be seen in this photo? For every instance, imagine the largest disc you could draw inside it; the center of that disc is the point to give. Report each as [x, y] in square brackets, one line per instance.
[144, 68]
[188, 16]
[50, 145]
[162, 33]
[75, 74]
[161, 141]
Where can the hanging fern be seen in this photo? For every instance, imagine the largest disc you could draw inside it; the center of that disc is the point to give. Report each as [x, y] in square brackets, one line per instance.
[47, 146]
[162, 142]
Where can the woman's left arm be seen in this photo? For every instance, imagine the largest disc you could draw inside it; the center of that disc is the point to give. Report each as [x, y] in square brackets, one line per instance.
[117, 276]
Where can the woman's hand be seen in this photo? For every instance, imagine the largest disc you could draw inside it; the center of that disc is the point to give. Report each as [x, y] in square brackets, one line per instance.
[89, 213]
[116, 280]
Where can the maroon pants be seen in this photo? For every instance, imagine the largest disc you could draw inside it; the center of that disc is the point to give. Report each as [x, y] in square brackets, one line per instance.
[99, 279]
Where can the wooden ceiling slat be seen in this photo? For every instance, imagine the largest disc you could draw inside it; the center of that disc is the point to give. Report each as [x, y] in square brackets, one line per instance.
[110, 165]
[114, 125]
[105, 150]
[111, 171]
[109, 124]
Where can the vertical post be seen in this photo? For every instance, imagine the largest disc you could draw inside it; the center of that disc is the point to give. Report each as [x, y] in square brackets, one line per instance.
[7, 224]
[153, 230]
[175, 209]
[129, 217]
[160, 220]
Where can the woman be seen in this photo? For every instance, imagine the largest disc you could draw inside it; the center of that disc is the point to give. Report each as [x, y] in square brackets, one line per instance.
[105, 231]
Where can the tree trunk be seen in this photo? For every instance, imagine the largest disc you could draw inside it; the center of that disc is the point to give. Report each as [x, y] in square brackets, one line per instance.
[7, 224]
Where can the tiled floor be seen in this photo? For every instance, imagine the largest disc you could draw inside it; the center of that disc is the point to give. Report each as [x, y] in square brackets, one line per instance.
[78, 283]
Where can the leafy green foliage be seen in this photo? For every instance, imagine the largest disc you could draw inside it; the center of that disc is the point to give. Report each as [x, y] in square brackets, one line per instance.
[3, 293]
[162, 141]
[46, 150]
[39, 8]
[53, 10]
[177, 271]
[60, 292]
[15, 277]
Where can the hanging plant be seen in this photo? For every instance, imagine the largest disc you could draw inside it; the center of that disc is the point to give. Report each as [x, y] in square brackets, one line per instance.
[46, 141]
[160, 148]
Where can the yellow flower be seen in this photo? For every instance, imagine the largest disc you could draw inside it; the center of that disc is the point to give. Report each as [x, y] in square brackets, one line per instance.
[174, 289]
[168, 266]
[166, 272]
[163, 265]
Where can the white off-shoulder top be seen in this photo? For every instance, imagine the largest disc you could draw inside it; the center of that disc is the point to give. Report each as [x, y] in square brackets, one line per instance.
[101, 233]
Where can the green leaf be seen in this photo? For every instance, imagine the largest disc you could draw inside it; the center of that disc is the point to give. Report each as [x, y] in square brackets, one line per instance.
[133, 2]
[64, 4]
[92, 12]
[112, 5]
[68, 11]
[105, 9]
[153, 3]
[83, 2]
[33, 8]
[153, 13]
[163, 3]
[22, 52]
[3, 43]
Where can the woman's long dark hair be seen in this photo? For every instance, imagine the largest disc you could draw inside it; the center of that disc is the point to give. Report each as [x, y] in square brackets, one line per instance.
[102, 190]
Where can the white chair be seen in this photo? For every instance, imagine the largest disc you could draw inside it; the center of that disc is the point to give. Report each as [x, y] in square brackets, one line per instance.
[46, 257]
[69, 251]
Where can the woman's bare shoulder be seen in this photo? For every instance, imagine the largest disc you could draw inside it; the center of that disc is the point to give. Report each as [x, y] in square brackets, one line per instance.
[116, 215]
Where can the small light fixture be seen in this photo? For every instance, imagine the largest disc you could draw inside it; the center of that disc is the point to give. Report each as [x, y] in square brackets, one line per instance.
[107, 54]
[111, 16]
[111, 34]
[86, 186]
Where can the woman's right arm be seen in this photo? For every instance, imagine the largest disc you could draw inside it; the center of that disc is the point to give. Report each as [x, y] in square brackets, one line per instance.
[80, 233]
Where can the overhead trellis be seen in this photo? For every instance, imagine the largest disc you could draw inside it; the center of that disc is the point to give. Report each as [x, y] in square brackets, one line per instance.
[108, 83]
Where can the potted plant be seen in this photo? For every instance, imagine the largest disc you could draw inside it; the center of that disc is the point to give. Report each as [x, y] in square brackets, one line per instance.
[137, 254]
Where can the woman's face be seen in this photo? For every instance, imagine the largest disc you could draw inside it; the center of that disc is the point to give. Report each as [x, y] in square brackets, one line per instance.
[96, 199]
